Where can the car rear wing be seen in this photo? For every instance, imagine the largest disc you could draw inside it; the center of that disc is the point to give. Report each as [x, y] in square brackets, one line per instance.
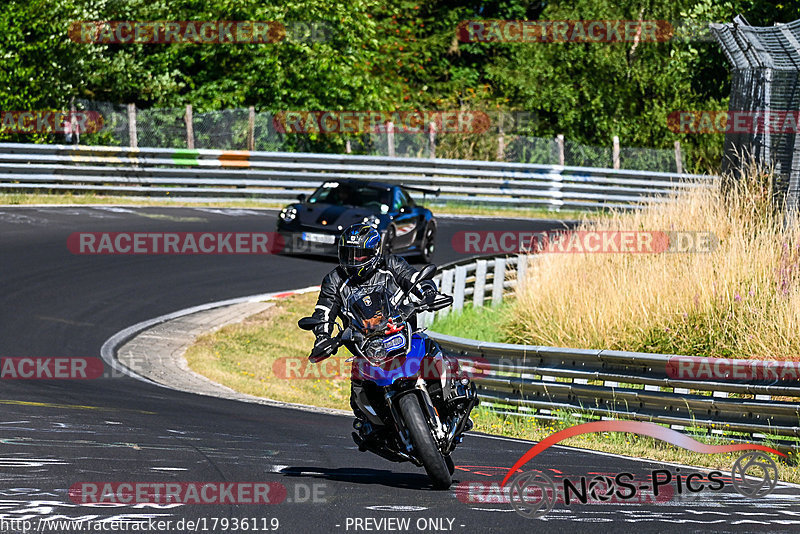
[423, 190]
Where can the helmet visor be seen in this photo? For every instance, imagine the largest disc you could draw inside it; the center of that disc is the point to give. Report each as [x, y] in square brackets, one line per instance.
[356, 256]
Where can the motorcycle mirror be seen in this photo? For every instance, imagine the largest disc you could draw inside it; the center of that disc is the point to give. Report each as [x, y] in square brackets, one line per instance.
[307, 323]
[427, 272]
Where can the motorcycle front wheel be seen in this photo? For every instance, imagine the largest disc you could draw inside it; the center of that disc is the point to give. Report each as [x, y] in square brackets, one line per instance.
[424, 446]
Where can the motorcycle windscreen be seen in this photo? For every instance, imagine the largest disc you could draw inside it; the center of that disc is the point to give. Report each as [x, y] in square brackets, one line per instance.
[410, 365]
[370, 309]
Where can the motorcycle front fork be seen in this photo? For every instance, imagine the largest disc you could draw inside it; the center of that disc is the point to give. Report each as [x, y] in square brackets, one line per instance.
[439, 429]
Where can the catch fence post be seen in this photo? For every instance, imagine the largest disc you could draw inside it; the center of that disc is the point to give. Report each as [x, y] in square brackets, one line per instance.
[390, 138]
[501, 140]
[132, 134]
[432, 140]
[187, 118]
[678, 158]
[560, 145]
[251, 128]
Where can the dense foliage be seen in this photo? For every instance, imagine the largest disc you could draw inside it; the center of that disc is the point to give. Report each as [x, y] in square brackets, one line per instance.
[386, 56]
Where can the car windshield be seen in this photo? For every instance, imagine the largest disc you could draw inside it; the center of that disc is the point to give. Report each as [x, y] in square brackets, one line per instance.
[344, 194]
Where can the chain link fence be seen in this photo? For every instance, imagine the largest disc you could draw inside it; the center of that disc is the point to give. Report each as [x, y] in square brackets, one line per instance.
[765, 65]
[245, 129]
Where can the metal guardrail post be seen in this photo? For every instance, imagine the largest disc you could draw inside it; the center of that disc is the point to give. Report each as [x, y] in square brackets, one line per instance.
[459, 288]
[522, 269]
[498, 281]
[480, 284]
[447, 288]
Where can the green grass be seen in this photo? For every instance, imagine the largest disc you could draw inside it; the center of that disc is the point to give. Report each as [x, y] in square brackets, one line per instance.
[475, 323]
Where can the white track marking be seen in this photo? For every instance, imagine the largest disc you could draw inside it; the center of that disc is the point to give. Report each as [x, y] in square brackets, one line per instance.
[168, 469]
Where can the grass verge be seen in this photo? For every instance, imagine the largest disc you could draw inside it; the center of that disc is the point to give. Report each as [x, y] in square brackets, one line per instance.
[476, 323]
[251, 357]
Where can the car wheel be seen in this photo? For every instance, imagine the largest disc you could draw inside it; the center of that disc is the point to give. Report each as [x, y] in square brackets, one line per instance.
[428, 244]
[388, 241]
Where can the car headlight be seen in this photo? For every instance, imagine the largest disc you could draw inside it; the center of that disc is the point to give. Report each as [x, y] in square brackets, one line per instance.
[288, 214]
[372, 220]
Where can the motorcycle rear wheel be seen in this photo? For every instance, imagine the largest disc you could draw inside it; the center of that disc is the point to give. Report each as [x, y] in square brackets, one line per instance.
[424, 446]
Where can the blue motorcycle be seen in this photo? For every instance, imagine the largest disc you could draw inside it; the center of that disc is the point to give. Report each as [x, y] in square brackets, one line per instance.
[416, 402]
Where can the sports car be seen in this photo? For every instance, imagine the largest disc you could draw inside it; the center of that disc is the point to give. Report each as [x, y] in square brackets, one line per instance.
[313, 225]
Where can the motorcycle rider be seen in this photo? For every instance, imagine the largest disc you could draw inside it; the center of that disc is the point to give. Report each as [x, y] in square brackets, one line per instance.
[361, 263]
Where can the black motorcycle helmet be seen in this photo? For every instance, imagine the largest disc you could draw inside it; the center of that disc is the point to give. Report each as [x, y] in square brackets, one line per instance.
[360, 250]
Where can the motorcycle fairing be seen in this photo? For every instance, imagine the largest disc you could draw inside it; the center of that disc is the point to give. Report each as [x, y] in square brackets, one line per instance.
[408, 367]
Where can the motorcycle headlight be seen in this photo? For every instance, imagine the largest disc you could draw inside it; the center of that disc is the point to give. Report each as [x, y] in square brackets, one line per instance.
[375, 352]
[288, 214]
[372, 220]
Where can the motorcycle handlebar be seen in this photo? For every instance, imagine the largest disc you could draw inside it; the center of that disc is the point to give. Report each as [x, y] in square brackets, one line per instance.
[322, 352]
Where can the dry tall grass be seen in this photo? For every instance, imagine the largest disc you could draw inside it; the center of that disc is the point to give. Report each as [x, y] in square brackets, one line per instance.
[742, 300]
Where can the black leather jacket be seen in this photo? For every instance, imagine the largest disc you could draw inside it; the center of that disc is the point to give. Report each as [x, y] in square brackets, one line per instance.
[393, 273]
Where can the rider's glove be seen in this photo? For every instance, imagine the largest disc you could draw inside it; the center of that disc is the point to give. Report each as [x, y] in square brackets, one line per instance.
[324, 346]
[428, 295]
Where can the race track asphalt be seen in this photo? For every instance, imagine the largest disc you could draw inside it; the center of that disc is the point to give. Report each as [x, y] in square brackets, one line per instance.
[56, 433]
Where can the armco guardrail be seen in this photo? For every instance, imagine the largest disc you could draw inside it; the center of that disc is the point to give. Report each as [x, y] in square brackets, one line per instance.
[281, 176]
[549, 383]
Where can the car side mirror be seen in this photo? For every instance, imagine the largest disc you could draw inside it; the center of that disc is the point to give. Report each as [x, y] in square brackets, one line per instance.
[301, 197]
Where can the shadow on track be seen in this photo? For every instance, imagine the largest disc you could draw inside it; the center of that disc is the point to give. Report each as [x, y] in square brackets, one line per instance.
[359, 475]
